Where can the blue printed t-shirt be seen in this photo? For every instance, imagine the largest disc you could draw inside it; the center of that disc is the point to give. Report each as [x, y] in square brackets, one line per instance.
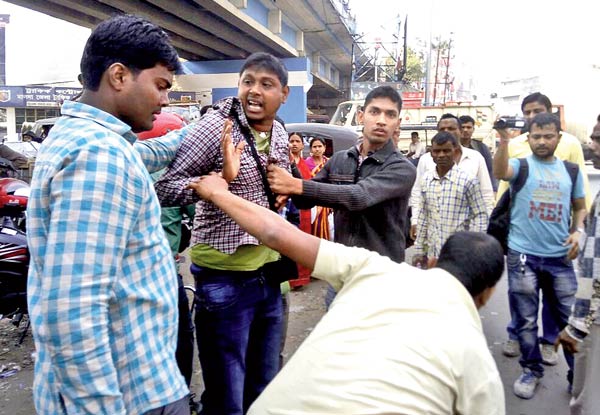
[541, 214]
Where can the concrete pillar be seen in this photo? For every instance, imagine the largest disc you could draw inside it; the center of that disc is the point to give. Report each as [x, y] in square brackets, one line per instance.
[11, 121]
[300, 43]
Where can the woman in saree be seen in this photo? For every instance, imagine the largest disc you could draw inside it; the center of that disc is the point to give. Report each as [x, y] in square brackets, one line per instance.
[320, 214]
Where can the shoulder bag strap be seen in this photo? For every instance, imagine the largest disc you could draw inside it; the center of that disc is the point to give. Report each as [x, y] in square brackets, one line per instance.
[522, 177]
[573, 170]
[250, 142]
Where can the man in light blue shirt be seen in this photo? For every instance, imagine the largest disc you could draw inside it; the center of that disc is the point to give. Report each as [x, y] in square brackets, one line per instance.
[542, 241]
[102, 283]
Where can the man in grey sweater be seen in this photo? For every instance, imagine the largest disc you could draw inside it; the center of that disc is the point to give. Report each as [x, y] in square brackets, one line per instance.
[368, 186]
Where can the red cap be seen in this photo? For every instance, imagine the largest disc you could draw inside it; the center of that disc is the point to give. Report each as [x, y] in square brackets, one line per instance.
[164, 122]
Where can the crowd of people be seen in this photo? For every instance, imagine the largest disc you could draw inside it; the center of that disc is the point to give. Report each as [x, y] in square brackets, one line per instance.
[112, 326]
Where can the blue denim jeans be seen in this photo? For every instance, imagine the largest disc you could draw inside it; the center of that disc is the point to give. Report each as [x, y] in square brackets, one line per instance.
[239, 324]
[549, 327]
[527, 275]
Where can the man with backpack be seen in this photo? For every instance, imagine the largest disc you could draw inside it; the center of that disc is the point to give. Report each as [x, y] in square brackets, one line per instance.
[569, 148]
[541, 243]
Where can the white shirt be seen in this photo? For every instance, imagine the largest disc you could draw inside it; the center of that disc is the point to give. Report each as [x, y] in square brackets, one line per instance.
[396, 340]
[418, 148]
[471, 161]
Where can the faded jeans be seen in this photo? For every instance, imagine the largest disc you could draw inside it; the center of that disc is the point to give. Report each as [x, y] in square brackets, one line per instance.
[527, 275]
[239, 324]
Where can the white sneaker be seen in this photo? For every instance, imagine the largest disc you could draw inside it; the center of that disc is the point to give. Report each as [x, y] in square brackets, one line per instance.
[524, 386]
[549, 356]
[511, 348]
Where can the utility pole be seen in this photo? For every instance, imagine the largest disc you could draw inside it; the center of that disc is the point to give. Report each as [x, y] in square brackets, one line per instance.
[447, 83]
[437, 64]
[428, 69]
[4, 20]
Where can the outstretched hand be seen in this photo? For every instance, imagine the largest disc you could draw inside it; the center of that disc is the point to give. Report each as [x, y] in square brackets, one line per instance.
[282, 182]
[567, 342]
[231, 153]
[207, 186]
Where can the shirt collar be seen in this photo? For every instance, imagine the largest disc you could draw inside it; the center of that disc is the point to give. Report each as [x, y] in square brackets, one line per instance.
[449, 176]
[466, 153]
[109, 121]
[379, 155]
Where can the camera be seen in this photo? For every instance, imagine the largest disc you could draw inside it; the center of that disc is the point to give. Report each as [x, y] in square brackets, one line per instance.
[510, 122]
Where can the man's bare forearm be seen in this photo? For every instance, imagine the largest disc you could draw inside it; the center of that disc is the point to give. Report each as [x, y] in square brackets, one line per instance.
[500, 164]
[270, 228]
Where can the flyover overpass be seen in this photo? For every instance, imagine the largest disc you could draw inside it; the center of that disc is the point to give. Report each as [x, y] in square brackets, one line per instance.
[207, 32]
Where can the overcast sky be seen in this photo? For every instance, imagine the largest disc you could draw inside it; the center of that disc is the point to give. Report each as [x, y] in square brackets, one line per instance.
[492, 40]
[40, 48]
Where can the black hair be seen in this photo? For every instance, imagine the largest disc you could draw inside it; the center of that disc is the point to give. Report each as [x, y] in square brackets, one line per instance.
[443, 137]
[384, 91]
[476, 275]
[448, 116]
[543, 119]
[321, 139]
[136, 43]
[414, 134]
[598, 119]
[205, 109]
[539, 98]
[466, 118]
[268, 63]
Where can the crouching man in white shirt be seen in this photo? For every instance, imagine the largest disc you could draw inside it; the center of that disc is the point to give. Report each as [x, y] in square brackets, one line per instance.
[397, 339]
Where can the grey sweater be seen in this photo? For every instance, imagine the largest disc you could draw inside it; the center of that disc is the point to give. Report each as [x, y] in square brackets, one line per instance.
[370, 202]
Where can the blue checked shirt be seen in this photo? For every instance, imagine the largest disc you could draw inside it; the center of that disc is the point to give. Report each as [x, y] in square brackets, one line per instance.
[449, 204]
[102, 288]
[587, 299]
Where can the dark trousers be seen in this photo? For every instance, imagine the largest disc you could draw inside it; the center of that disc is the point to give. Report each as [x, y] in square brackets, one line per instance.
[184, 354]
[239, 323]
[180, 407]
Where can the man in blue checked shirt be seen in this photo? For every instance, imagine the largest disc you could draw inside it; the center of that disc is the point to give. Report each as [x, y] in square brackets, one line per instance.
[102, 283]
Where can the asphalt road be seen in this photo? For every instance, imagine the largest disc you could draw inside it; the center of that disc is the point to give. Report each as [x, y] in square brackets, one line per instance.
[306, 309]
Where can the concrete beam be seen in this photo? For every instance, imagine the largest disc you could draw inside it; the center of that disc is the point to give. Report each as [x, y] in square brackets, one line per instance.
[204, 21]
[228, 12]
[274, 21]
[240, 4]
[178, 26]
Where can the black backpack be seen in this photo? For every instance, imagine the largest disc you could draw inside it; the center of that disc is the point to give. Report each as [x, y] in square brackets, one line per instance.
[499, 223]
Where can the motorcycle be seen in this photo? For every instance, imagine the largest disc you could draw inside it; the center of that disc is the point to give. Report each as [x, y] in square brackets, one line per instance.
[14, 254]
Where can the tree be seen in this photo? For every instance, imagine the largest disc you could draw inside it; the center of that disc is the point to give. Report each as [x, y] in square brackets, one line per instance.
[415, 69]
